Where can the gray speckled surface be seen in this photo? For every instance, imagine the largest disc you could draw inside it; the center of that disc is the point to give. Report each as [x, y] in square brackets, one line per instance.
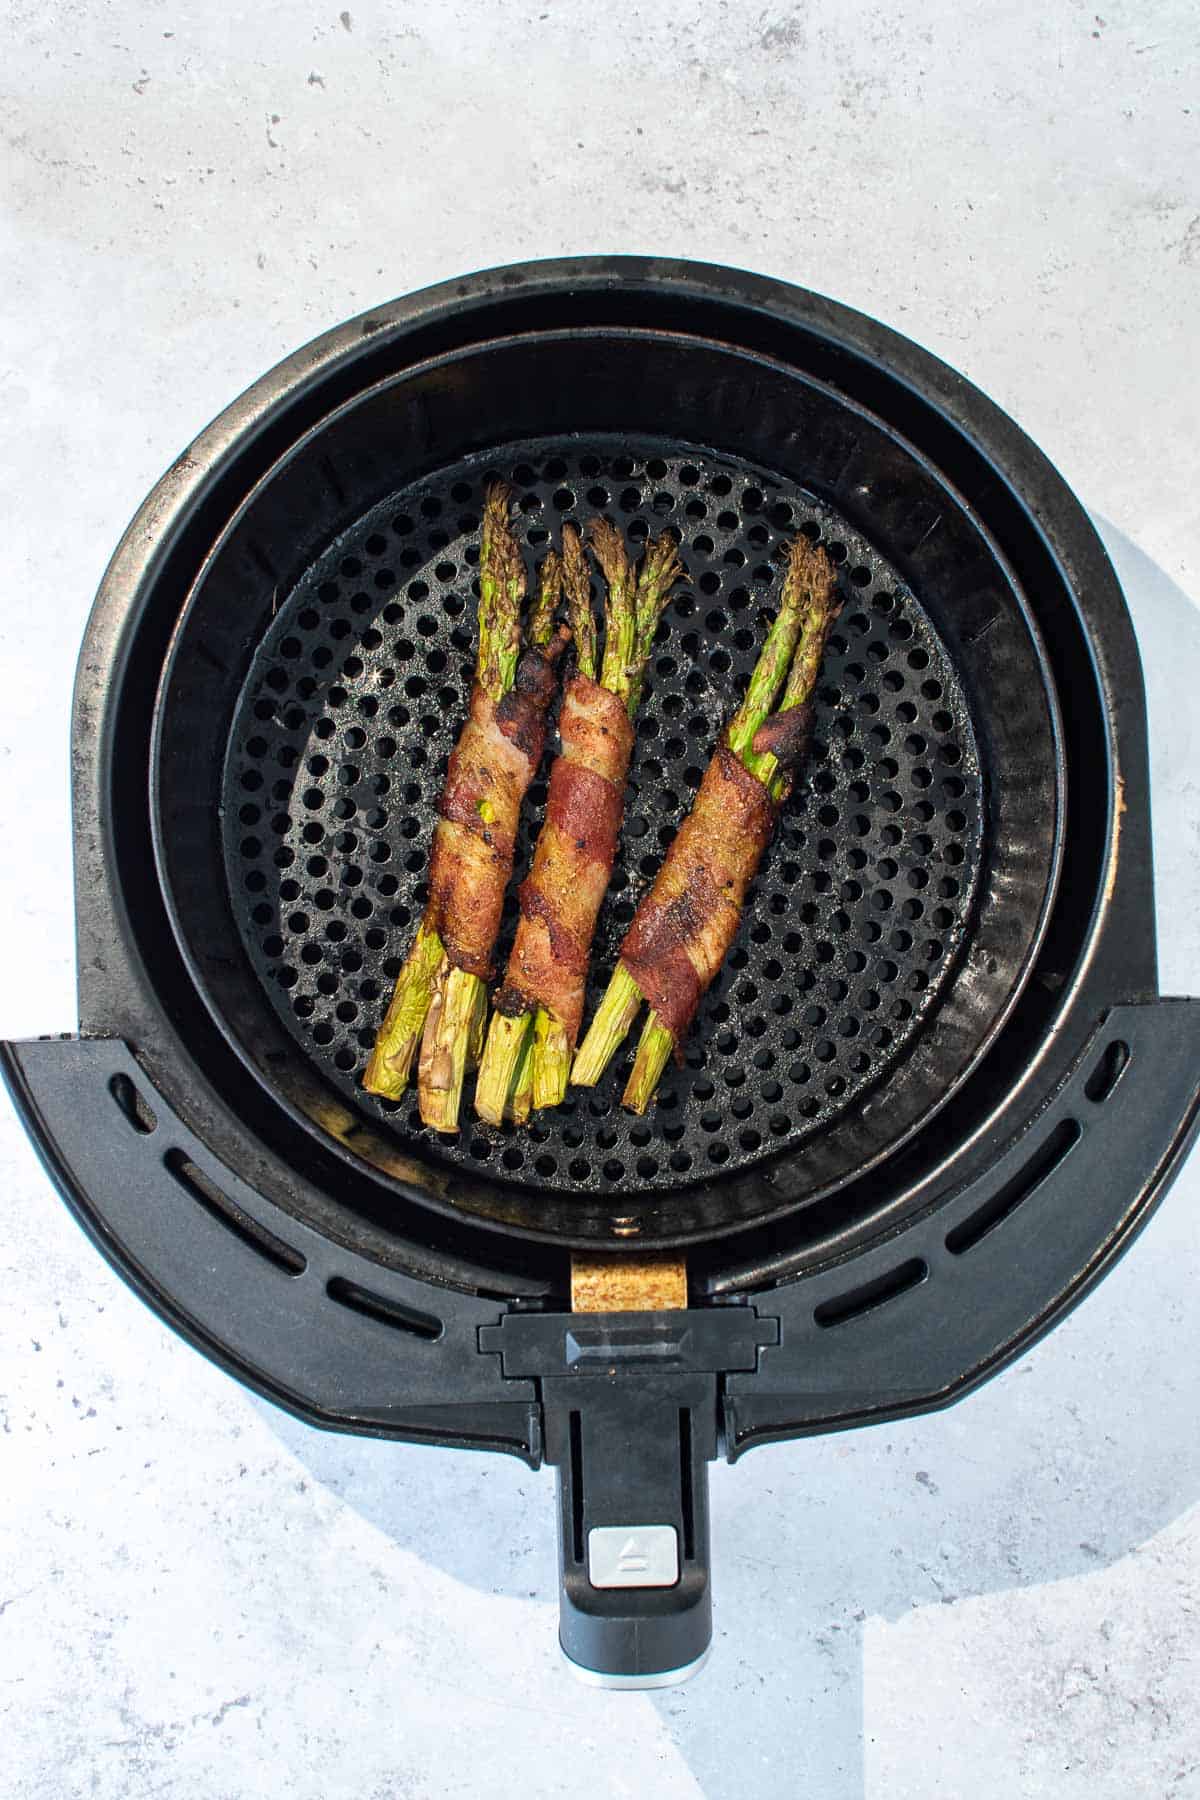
[200, 1598]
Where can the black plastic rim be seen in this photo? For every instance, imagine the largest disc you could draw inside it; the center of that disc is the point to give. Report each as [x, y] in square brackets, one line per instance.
[983, 620]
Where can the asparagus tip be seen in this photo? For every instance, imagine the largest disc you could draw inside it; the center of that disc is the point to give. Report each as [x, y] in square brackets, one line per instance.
[545, 604]
[497, 496]
[578, 587]
[608, 542]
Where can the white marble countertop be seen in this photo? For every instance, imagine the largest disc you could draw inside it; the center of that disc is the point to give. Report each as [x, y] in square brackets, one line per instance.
[201, 1598]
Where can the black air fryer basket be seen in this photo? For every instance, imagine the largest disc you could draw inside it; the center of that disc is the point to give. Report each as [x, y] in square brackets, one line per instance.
[931, 1097]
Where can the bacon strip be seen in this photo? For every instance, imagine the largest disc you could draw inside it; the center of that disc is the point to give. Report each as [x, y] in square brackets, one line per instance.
[560, 898]
[785, 736]
[491, 766]
[683, 928]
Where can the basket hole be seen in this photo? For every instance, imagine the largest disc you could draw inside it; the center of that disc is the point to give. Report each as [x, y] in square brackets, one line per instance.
[973, 1229]
[871, 1294]
[383, 1309]
[1110, 1067]
[130, 1102]
[219, 1206]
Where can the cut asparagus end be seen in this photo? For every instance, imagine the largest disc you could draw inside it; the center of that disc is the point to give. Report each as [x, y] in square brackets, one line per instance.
[551, 1059]
[475, 1043]
[520, 1100]
[653, 1052]
[448, 1032]
[396, 1042]
[506, 1040]
[614, 1015]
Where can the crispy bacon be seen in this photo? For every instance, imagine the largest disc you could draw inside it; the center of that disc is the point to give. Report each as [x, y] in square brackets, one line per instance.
[491, 766]
[521, 715]
[684, 926]
[687, 922]
[785, 736]
[576, 847]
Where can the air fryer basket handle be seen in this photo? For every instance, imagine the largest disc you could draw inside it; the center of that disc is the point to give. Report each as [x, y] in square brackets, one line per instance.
[632, 1454]
[630, 1404]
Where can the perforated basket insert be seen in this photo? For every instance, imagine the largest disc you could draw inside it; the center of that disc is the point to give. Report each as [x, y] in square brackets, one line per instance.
[353, 703]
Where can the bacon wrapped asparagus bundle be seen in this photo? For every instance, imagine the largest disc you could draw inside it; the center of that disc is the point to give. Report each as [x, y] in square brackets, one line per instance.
[539, 1009]
[685, 925]
[440, 997]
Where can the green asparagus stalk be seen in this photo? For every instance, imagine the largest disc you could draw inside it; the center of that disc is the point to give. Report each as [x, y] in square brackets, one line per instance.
[577, 586]
[551, 1059]
[539, 627]
[506, 1075]
[501, 591]
[790, 661]
[391, 1059]
[458, 1025]
[653, 1054]
[535, 1046]
[660, 570]
[772, 665]
[438, 1006]
[620, 613]
[615, 1014]
[520, 1101]
[637, 617]
[503, 1052]
[454, 1022]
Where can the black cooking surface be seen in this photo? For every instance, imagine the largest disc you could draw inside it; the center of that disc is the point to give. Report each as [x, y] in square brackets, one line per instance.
[355, 698]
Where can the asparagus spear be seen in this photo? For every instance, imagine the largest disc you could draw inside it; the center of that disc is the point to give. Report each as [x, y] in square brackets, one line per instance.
[439, 998]
[505, 1086]
[423, 973]
[520, 1101]
[685, 925]
[527, 1057]
[539, 627]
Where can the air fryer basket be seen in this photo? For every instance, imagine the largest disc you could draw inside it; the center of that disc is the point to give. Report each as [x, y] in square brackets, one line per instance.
[941, 1004]
[897, 916]
[337, 755]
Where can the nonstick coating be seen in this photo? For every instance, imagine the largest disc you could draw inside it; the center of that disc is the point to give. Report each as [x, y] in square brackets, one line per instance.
[356, 696]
